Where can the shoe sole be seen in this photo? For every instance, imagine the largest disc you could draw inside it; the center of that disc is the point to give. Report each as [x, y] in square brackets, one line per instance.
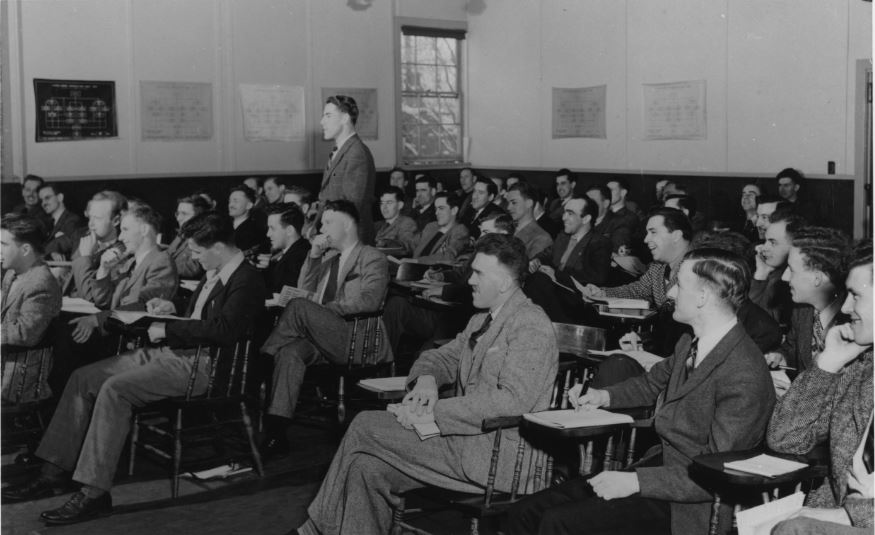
[99, 514]
[50, 494]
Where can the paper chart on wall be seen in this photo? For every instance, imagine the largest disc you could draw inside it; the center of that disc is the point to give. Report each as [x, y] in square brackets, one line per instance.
[366, 100]
[579, 112]
[675, 111]
[176, 111]
[272, 112]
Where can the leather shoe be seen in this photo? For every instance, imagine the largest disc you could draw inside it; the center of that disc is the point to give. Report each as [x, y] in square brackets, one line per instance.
[78, 509]
[40, 487]
[274, 448]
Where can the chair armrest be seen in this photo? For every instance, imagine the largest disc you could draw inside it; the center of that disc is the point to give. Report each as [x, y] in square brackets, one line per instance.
[500, 422]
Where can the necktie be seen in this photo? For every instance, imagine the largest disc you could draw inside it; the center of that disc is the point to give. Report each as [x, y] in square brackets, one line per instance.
[572, 243]
[427, 250]
[868, 448]
[817, 341]
[475, 336]
[666, 277]
[331, 156]
[690, 363]
[331, 286]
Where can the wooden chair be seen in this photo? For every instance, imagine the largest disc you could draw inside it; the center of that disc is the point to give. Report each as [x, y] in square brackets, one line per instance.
[217, 409]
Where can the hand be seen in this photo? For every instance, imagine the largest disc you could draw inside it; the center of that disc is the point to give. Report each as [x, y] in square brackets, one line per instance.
[836, 515]
[839, 349]
[318, 245]
[160, 307]
[110, 258]
[262, 261]
[84, 326]
[592, 399]
[762, 270]
[775, 360]
[424, 395]
[86, 244]
[590, 292]
[433, 292]
[549, 271]
[534, 265]
[433, 275]
[613, 485]
[57, 257]
[157, 331]
[406, 416]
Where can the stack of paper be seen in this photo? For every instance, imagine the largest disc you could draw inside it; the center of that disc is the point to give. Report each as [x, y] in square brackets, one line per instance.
[761, 519]
[384, 384]
[78, 305]
[570, 418]
[618, 302]
[425, 431]
[765, 465]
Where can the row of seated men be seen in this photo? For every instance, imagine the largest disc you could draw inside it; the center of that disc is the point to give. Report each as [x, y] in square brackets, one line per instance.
[497, 277]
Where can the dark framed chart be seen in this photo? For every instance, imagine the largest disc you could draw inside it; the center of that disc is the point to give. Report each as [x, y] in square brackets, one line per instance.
[74, 110]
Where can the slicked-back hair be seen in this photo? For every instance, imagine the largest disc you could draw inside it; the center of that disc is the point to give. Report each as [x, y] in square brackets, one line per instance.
[301, 192]
[733, 242]
[144, 213]
[590, 208]
[452, 199]
[674, 219]
[796, 176]
[503, 222]
[392, 190]
[792, 223]
[603, 190]
[491, 187]
[346, 105]
[527, 191]
[508, 250]
[25, 229]
[684, 201]
[345, 207]
[275, 179]
[565, 172]
[290, 214]
[726, 273]
[245, 190]
[198, 203]
[34, 178]
[826, 250]
[768, 198]
[117, 201]
[208, 229]
[861, 255]
[622, 182]
[53, 187]
[427, 179]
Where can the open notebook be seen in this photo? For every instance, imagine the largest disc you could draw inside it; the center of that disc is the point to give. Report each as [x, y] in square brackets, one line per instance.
[570, 418]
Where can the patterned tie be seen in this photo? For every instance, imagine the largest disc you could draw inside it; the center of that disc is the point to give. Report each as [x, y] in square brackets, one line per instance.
[690, 363]
[331, 156]
[475, 336]
[666, 277]
[817, 340]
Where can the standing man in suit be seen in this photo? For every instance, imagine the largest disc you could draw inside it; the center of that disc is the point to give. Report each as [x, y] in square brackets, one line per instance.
[92, 421]
[346, 277]
[424, 213]
[504, 362]
[65, 223]
[288, 249]
[31, 300]
[816, 271]
[396, 229]
[186, 266]
[832, 401]
[521, 206]
[718, 396]
[442, 240]
[350, 173]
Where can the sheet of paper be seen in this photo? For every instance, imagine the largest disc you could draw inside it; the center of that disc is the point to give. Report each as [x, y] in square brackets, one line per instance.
[579, 112]
[78, 305]
[176, 110]
[675, 110]
[570, 418]
[620, 302]
[131, 316]
[765, 465]
[426, 431]
[385, 384]
[761, 519]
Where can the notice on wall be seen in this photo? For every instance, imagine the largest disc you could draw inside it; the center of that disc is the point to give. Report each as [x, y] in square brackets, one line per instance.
[579, 112]
[366, 100]
[172, 111]
[272, 112]
[675, 111]
[74, 110]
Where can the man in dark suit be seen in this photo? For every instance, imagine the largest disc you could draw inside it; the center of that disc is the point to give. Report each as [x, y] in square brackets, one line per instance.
[424, 212]
[249, 232]
[396, 230]
[542, 218]
[288, 249]
[482, 206]
[619, 230]
[565, 182]
[717, 397]
[790, 189]
[345, 277]
[92, 421]
[467, 178]
[443, 239]
[65, 223]
[350, 173]
[31, 204]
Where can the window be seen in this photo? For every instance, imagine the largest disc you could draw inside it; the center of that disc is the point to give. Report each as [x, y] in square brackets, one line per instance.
[431, 96]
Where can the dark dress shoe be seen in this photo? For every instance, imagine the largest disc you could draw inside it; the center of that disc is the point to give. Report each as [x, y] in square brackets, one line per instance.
[78, 508]
[41, 487]
[274, 448]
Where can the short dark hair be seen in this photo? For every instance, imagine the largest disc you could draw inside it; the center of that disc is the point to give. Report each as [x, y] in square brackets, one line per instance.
[54, 187]
[783, 210]
[452, 199]
[734, 242]
[685, 201]
[346, 105]
[393, 190]
[726, 273]
[198, 203]
[425, 178]
[345, 207]
[590, 208]
[622, 182]
[510, 252]
[503, 222]
[275, 179]
[301, 191]
[602, 189]
[527, 191]
[792, 222]
[290, 214]
[25, 229]
[565, 172]
[491, 188]
[245, 190]
[768, 198]
[674, 219]
[861, 254]
[397, 169]
[145, 214]
[34, 178]
[208, 229]
[796, 176]
[678, 185]
[826, 250]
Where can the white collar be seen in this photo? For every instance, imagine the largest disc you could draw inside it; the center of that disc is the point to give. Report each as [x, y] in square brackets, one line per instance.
[338, 142]
[230, 267]
[709, 341]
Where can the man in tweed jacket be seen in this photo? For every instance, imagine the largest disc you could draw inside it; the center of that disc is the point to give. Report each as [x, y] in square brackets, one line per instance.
[833, 400]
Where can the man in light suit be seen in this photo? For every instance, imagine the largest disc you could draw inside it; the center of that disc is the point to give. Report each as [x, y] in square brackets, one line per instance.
[350, 173]
[444, 239]
[717, 397]
[521, 205]
[503, 363]
[88, 430]
[65, 223]
[31, 300]
[346, 277]
[396, 229]
[104, 216]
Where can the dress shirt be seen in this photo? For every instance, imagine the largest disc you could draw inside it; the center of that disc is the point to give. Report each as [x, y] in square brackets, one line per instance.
[709, 341]
[212, 279]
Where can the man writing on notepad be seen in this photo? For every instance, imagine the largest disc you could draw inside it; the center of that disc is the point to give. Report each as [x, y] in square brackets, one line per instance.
[716, 395]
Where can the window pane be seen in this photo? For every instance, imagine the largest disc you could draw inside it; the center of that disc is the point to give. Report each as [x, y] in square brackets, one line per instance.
[430, 140]
[410, 79]
[447, 79]
[428, 78]
[410, 141]
[450, 111]
[446, 51]
[425, 50]
[430, 113]
[408, 48]
[451, 141]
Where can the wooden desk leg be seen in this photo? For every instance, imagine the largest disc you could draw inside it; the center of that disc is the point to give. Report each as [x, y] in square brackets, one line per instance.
[714, 526]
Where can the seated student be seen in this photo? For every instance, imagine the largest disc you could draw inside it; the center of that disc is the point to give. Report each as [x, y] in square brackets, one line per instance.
[542, 217]
[442, 240]
[766, 206]
[687, 205]
[482, 195]
[579, 253]
[565, 182]
[398, 179]
[676, 187]
[274, 191]
[521, 207]
[104, 216]
[64, 223]
[816, 271]
[347, 277]
[396, 229]
[186, 266]
[748, 225]
[500, 199]
[424, 211]
[619, 230]
[832, 401]
[717, 397]
[514, 344]
[31, 202]
[767, 289]
[249, 234]
[31, 300]
[624, 209]
[467, 177]
[303, 198]
[790, 182]
[288, 249]
[256, 184]
[92, 421]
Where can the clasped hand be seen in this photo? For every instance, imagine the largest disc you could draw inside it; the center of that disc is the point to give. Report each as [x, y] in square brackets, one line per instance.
[593, 398]
[418, 405]
[614, 485]
[84, 326]
[160, 307]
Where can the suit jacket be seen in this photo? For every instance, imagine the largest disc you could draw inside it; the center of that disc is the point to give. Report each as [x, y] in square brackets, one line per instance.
[510, 371]
[130, 287]
[36, 211]
[821, 406]
[186, 266]
[797, 344]
[619, 227]
[401, 233]
[550, 226]
[447, 248]
[250, 237]
[472, 220]
[589, 261]
[773, 295]
[535, 238]
[287, 269]
[229, 312]
[60, 238]
[425, 217]
[351, 175]
[28, 309]
[724, 405]
[84, 269]
[555, 209]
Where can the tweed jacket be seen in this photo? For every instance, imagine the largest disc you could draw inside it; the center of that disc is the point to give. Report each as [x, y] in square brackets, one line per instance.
[351, 176]
[84, 268]
[651, 286]
[186, 266]
[129, 286]
[797, 344]
[724, 405]
[535, 239]
[510, 371]
[588, 263]
[823, 406]
[401, 233]
[447, 248]
[60, 238]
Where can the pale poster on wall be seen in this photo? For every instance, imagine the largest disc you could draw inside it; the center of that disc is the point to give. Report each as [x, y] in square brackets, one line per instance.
[675, 111]
[173, 111]
[366, 100]
[579, 112]
[272, 112]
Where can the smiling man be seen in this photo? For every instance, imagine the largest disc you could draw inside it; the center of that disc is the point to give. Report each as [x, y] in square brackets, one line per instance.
[444, 239]
[767, 289]
[396, 229]
[65, 223]
[482, 207]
